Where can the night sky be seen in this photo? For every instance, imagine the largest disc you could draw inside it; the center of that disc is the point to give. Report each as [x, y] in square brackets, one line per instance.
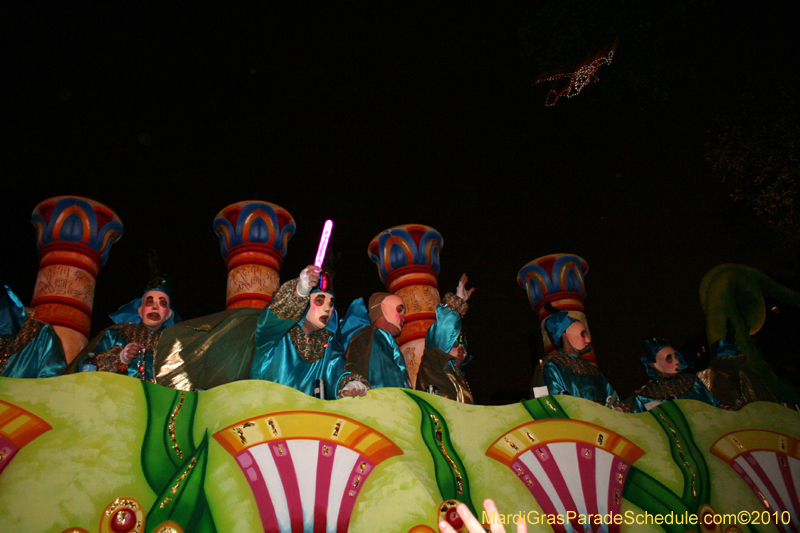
[380, 115]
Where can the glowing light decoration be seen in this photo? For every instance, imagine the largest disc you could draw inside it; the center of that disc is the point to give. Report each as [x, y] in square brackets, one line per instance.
[569, 465]
[305, 468]
[577, 80]
[323, 243]
[769, 463]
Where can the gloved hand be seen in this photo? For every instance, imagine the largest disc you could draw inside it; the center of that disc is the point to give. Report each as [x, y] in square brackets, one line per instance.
[309, 278]
[354, 388]
[461, 290]
[130, 351]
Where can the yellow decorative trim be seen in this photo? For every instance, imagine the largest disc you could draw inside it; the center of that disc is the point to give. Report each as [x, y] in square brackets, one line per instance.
[541, 432]
[313, 425]
[732, 445]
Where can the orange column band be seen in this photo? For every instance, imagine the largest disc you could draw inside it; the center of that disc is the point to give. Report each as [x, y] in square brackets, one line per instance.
[253, 238]
[74, 237]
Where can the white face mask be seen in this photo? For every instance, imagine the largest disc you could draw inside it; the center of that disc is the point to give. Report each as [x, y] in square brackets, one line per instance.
[320, 310]
[394, 310]
[154, 310]
[578, 336]
[667, 362]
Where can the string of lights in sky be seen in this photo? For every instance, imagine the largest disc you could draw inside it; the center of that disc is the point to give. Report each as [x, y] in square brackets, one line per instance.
[577, 80]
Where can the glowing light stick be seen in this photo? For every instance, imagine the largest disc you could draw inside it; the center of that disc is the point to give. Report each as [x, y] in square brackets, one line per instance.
[323, 243]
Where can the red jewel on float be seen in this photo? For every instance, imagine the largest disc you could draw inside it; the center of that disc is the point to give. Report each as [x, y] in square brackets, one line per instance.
[123, 521]
[454, 520]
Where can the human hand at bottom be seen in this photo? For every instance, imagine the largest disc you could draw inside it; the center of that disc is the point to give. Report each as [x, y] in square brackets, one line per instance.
[473, 526]
[353, 389]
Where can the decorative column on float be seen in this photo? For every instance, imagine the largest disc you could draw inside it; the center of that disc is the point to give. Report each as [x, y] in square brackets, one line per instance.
[408, 264]
[253, 238]
[558, 279]
[74, 236]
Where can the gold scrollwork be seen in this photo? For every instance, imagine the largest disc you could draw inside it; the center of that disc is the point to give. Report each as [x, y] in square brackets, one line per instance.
[174, 489]
[680, 451]
[459, 480]
[171, 426]
[239, 430]
[273, 425]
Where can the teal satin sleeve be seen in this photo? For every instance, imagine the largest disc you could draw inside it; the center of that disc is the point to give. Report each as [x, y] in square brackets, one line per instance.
[283, 364]
[639, 402]
[272, 340]
[701, 393]
[560, 381]
[12, 313]
[444, 331]
[387, 366]
[43, 357]
[553, 379]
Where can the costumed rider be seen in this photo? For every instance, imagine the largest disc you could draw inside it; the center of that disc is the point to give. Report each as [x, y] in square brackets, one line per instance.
[29, 348]
[727, 375]
[664, 366]
[373, 357]
[129, 346]
[295, 343]
[446, 349]
[566, 372]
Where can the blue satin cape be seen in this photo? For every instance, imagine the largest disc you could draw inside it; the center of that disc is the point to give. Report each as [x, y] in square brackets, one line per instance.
[42, 357]
[559, 380]
[387, 366]
[276, 358]
[443, 333]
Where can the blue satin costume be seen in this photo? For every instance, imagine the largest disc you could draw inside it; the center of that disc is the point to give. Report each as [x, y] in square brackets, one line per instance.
[438, 368]
[40, 357]
[698, 392]
[385, 364]
[278, 359]
[444, 332]
[128, 328]
[567, 373]
[560, 380]
[104, 344]
[678, 387]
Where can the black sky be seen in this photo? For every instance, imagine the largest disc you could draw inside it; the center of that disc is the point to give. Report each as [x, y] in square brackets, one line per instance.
[380, 115]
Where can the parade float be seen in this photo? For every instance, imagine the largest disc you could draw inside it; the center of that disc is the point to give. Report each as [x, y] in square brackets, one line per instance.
[97, 451]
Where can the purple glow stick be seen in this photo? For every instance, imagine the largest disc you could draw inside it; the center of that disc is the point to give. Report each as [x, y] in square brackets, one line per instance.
[323, 243]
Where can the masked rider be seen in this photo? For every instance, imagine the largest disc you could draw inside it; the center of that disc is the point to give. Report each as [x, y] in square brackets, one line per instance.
[295, 343]
[664, 366]
[129, 346]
